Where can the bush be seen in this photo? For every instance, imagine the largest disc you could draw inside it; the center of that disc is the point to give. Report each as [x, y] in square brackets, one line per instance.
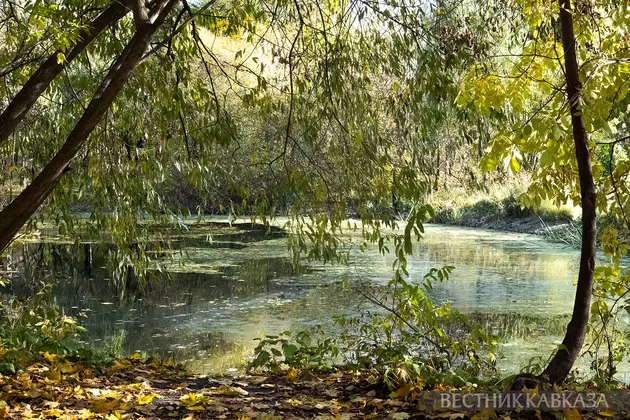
[512, 208]
[481, 212]
[34, 326]
[403, 335]
[446, 215]
[551, 213]
[304, 351]
[500, 204]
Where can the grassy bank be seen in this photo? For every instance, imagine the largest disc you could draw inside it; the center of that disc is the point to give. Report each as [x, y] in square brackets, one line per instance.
[499, 208]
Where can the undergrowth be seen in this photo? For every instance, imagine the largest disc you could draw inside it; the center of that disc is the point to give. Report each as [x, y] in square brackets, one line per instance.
[35, 326]
[400, 333]
[498, 204]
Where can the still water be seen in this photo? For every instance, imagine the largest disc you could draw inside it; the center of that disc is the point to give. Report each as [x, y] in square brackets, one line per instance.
[222, 286]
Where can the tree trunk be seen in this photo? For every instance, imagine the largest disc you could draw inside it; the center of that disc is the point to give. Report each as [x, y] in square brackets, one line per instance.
[437, 172]
[563, 360]
[13, 217]
[46, 73]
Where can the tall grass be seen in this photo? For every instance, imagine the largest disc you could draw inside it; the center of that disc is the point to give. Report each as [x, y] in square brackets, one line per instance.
[570, 233]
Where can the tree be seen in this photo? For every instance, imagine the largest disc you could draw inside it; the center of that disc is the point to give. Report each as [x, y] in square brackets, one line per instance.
[327, 109]
[329, 117]
[53, 65]
[556, 102]
[95, 55]
[28, 201]
[563, 360]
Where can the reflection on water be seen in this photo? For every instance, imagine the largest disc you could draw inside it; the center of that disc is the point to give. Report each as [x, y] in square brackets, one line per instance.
[228, 285]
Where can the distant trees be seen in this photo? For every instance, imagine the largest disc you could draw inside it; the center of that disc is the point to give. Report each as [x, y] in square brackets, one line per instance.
[290, 106]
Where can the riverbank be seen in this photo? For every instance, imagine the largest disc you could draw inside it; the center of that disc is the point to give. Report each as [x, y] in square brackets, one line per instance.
[500, 210]
[134, 388]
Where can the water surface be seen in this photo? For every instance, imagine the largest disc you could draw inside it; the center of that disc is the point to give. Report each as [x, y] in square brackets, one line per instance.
[221, 287]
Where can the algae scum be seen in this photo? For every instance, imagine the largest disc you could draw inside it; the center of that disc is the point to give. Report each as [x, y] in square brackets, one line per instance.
[221, 286]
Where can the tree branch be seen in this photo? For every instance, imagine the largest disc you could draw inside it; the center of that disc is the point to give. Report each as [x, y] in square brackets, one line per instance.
[46, 73]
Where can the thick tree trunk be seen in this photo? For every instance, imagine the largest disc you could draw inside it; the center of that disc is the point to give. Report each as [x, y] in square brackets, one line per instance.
[46, 73]
[563, 360]
[13, 217]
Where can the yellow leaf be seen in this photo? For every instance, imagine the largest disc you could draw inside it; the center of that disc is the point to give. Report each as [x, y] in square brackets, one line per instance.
[86, 414]
[486, 414]
[50, 357]
[110, 393]
[53, 412]
[66, 367]
[531, 391]
[572, 414]
[145, 399]
[292, 374]
[194, 402]
[104, 406]
[292, 402]
[54, 375]
[401, 392]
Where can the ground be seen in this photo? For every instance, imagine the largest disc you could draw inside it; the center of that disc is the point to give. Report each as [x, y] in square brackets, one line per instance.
[133, 388]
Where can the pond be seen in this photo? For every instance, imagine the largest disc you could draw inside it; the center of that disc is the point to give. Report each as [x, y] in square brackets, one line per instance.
[231, 284]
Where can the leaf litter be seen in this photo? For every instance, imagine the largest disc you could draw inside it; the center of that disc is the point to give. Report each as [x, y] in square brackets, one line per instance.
[134, 388]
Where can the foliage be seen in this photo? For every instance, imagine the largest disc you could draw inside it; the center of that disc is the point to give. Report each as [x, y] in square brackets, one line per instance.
[133, 387]
[324, 110]
[35, 326]
[415, 338]
[540, 129]
[302, 352]
[495, 208]
[609, 310]
[253, 109]
[401, 334]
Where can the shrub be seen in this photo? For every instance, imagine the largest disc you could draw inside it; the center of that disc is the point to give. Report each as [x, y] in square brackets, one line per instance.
[446, 215]
[36, 325]
[403, 335]
[481, 212]
[551, 213]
